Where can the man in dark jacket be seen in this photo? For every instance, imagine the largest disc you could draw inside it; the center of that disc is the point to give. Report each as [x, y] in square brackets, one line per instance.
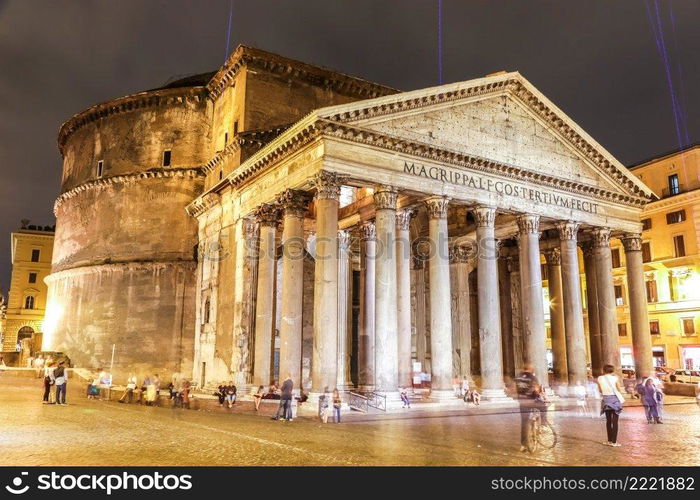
[286, 400]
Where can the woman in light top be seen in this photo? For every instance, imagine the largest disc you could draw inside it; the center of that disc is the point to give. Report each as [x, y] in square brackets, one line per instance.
[611, 390]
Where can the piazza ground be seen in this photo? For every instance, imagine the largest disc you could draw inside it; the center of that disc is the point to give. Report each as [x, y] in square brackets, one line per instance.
[93, 433]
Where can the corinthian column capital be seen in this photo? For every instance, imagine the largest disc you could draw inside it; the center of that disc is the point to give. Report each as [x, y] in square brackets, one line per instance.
[632, 242]
[484, 216]
[368, 231]
[437, 206]
[327, 185]
[385, 198]
[343, 240]
[568, 230]
[462, 254]
[267, 214]
[294, 203]
[601, 237]
[553, 257]
[529, 224]
[403, 218]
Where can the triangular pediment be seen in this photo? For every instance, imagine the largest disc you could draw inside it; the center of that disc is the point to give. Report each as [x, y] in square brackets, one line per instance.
[503, 119]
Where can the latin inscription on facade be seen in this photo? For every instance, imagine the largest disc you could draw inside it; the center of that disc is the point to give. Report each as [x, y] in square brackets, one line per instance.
[499, 187]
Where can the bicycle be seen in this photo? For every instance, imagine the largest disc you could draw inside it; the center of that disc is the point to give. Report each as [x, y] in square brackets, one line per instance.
[540, 432]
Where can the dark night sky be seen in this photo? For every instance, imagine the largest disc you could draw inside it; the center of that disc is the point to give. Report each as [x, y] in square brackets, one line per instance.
[597, 60]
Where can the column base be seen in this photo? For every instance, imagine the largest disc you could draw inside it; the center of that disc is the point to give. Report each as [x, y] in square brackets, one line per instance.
[495, 396]
[443, 395]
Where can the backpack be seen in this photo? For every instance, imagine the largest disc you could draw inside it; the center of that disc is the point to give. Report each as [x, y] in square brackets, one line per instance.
[59, 372]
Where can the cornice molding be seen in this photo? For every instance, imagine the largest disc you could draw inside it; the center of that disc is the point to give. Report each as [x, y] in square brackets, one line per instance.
[202, 204]
[156, 173]
[132, 102]
[146, 265]
[256, 138]
[294, 70]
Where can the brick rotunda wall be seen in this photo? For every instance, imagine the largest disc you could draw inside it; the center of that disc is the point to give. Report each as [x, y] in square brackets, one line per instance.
[123, 270]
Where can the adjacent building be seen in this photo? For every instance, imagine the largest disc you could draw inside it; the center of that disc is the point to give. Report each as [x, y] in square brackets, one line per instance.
[670, 243]
[31, 254]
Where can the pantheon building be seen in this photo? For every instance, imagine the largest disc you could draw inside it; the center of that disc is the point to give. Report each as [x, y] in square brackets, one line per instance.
[277, 217]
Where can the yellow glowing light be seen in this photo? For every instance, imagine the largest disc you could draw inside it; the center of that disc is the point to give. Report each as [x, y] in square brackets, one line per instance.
[54, 312]
[690, 286]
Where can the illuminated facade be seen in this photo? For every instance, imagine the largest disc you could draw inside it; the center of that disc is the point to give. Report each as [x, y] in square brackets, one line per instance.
[31, 251]
[671, 232]
[275, 217]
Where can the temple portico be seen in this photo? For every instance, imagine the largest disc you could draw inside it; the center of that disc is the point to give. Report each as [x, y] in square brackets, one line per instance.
[414, 241]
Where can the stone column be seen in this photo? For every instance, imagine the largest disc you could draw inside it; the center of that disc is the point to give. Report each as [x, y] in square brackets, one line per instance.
[368, 252]
[573, 305]
[461, 320]
[295, 205]
[607, 309]
[267, 216]
[440, 300]
[641, 338]
[344, 309]
[556, 315]
[419, 310]
[531, 295]
[489, 305]
[386, 322]
[592, 309]
[403, 282]
[325, 342]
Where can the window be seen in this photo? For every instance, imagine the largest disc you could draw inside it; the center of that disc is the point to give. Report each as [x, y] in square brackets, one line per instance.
[622, 329]
[646, 224]
[675, 217]
[225, 138]
[615, 254]
[235, 127]
[221, 174]
[166, 157]
[619, 297]
[29, 302]
[652, 294]
[35, 255]
[646, 252]
[672, 288]
[32, 277]
[545, 271]
[207, 309]
[674, 186]
[688, 326]
[100, 168]
[679, 246]
[654, 327]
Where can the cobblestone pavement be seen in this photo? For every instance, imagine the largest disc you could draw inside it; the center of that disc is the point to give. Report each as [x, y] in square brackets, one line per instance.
[89, 432]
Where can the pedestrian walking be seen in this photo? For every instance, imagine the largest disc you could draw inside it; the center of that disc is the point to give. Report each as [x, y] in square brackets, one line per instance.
[257, 397]
[48, 381]
[580, 395]
[530, 397]
[39, 366]
[404, 399]
[285, 407]
[323, 405]
[60, 375]
[611, 390]
[130, 388]
[651, 397]
[337, 404]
